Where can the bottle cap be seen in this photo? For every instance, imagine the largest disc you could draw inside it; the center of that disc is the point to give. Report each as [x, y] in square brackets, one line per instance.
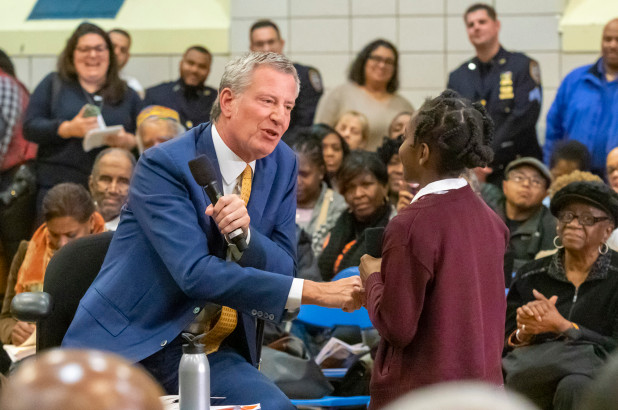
[194, 346]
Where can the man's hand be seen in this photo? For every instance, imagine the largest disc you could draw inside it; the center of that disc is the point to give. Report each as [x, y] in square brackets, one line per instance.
[230, 213]
[346, 294]
[21, 332]
[79, 126]
[368, 266]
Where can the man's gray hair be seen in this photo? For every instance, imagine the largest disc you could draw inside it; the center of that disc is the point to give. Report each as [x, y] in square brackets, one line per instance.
[239, 71]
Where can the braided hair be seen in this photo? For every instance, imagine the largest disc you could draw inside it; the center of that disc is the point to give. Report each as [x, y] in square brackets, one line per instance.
[459, 130]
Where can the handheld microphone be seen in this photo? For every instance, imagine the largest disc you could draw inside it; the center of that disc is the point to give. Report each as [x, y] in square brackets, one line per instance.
[205, 175]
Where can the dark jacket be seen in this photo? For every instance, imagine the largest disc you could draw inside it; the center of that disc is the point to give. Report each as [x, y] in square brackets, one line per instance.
[510, 88]
[534, 235]
[192, 103]
[63, 159]
[593, 306]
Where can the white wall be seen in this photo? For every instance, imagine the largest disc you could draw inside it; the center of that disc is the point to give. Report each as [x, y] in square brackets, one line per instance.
[430, 35]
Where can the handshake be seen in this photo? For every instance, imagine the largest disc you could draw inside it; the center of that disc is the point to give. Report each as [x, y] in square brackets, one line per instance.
[347, 294]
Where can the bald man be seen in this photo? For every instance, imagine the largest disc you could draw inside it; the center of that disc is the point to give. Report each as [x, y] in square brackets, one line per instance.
[586, 104]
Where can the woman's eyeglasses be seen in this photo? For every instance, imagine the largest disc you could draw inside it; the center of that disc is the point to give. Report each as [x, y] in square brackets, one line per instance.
[386, 61]
[86, 50]
[584, 219]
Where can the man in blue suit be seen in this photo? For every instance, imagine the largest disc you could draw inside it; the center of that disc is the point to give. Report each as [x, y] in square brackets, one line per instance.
[169, 256]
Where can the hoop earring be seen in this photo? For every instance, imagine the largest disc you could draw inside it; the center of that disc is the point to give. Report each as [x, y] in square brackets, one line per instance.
[602, 250]
[556, 238]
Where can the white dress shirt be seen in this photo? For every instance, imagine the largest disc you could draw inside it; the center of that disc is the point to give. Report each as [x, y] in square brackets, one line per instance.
[231, 167]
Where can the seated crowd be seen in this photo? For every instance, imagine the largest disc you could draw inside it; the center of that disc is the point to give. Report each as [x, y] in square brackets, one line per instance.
[560, 265]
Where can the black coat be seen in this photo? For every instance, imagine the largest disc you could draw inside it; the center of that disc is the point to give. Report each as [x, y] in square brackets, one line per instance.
[510, 88]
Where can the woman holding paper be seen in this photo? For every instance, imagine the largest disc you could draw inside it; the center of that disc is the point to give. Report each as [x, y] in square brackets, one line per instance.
[85, 94]
[437, 294]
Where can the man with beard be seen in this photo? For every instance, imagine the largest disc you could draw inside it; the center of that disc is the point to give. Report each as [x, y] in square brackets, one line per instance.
[188, 95]
[109, 183]
[531, 225]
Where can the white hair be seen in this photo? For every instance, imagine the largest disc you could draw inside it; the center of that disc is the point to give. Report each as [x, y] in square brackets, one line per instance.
[239, 71]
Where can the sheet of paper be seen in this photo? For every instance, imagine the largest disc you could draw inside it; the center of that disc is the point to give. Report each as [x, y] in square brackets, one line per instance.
[96, 138]
[171, 403]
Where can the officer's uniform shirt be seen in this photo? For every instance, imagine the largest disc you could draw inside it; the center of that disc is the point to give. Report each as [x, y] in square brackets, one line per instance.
[509, 86]
[193, 104]
[311, 90]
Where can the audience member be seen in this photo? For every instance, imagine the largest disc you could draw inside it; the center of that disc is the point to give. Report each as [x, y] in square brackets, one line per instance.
[491, 194]
[612, 168]
[80, 379]
[334, 149]
[317, 205]
[109, 184]
[64, 107]
[69, 214]
[508, 84]
[436, 296]
[264, 35]
[586, 104]
[461, 396]
[176, 239]
[155, 125]
[389, 154]
[16, 195]
[371, 90]
[121, 40]
[354, 128]
[399, 123]
[561, 313]
[569, 156]
[363, 182]
[531, 225]
[189, 95]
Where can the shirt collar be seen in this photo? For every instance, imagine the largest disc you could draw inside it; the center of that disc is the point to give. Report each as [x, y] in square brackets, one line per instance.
[230, 164]
[440, 187]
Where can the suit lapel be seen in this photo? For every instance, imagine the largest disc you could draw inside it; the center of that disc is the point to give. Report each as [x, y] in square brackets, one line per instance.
[265, 171]
[204, 145]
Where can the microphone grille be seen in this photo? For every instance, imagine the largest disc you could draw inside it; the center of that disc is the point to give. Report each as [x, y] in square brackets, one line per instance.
[202, 170]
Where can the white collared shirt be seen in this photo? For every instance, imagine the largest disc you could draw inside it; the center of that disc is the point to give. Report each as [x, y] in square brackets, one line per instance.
[231, 167]
[441, 186]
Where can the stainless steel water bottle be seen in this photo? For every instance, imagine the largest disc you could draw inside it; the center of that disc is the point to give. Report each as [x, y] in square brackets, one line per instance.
[194, 375]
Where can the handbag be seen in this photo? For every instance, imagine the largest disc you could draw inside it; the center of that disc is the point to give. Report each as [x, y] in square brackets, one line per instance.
[539, 367]
[287, 363]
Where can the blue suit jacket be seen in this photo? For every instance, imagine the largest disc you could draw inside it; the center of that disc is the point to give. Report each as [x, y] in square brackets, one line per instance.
[167, 258]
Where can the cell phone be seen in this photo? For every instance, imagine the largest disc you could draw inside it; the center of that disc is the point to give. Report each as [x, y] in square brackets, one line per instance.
[91, 111]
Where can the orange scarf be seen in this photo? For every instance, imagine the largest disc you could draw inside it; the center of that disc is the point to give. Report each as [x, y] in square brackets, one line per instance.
[32, 270]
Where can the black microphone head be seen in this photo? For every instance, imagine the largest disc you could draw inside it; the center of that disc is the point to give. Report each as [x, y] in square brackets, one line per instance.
[202, 170]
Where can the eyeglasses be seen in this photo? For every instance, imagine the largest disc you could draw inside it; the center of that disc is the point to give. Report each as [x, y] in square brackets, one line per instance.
[386, 61]
[86, 50]
[584, 219]
[534, 181]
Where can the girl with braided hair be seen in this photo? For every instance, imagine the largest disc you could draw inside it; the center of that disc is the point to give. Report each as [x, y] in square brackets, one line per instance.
[437, 294]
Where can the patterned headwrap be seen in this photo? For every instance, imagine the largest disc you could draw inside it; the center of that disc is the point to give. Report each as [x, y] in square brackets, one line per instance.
[159, 112]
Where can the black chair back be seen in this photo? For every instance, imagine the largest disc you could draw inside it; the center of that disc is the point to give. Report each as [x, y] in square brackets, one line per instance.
[69, 274]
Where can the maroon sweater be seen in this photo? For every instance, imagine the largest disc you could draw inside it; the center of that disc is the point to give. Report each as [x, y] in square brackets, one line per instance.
[439, 302]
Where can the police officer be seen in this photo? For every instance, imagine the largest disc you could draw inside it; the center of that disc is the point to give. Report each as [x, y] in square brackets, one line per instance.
[188, 95]
[507, 84]
[264, 35]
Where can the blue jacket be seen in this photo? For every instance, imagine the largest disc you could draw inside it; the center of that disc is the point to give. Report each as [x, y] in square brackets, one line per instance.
[585, 109]
[167, 258]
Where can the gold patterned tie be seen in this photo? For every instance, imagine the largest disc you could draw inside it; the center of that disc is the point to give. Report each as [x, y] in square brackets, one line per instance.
[229, 318]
